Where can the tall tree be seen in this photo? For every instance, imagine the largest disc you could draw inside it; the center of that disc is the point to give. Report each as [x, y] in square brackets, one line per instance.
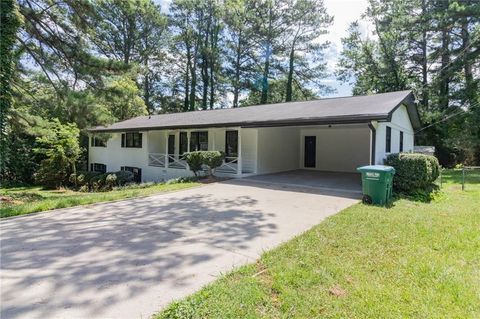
[9, 21]
[307, 20]
[133, 32]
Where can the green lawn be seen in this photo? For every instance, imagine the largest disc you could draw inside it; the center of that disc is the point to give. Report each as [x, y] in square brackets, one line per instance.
[414, 260]
[25, 200]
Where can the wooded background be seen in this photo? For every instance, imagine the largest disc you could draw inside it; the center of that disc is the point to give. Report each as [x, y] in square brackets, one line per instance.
[67, 65]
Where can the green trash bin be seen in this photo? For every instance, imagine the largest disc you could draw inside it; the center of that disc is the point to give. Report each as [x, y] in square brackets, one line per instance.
[377, 183]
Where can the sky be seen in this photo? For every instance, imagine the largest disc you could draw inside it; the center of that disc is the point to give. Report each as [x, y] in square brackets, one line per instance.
[344, 12]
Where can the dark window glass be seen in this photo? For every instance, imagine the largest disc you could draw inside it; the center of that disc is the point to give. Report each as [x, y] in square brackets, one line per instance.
[137, 173]
[133, 139]
[388, 141]
[98, 142]
[97, 167]
[231, 144]
[183, 143]
[401, 141]
[199, 141]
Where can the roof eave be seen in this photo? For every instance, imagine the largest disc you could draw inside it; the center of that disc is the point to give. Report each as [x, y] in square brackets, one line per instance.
[351, 119]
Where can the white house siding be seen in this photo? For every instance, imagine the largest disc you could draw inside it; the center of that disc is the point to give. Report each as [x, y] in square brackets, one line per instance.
[278, 149]
[249, 149]
[340, 148]
[400, 122]
[115, 156]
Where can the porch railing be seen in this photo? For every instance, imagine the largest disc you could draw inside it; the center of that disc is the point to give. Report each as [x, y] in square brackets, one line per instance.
[229, 165]
[161, 160]
[156, 159]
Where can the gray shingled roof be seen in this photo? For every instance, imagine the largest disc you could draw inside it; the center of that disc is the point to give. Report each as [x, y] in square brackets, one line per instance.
[355, 109]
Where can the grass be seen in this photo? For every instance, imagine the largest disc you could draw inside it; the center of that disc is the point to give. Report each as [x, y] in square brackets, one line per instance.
[26, 200]
[414, 260]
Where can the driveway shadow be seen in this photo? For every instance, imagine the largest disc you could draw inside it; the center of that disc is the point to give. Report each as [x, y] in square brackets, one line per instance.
[78, 257]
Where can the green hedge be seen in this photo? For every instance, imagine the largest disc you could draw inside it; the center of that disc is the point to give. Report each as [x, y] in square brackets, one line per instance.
[211, 159]
[413, 172]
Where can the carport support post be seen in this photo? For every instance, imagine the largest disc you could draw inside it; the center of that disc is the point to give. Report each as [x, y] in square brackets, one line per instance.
[239, 161]
[167, 159]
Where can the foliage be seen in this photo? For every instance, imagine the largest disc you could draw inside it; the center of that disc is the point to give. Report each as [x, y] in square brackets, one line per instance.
[186, 179]
[195, 161]
[413, 172]
[431, 48]
[212, 159]
[61, 149]
[10, 21]
[412, 268]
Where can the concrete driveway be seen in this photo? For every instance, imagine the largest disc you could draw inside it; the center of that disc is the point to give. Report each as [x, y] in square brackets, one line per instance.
[128, 259]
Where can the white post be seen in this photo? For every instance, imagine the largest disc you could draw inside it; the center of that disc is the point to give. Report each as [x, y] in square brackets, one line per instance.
[239, 161]
[166, 149]
[188, 141]
[213, 133]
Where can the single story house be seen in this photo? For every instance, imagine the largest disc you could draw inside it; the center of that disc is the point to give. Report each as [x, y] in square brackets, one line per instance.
[332, 134]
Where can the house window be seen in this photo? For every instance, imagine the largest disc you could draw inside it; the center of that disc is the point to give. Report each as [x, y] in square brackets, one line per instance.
[133, 139]
[401, 142]
[231, 144]
[137, 173]
[199, 141]
[97, 167]
[98, 142]
[388, 141]
[183, 143]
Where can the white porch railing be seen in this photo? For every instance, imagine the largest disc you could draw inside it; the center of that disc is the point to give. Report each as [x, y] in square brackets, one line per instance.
[156, 159]
[229, 165]
[176, 161]
[161, 160]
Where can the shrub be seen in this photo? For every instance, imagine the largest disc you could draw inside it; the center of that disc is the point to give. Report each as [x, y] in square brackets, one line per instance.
[59, 145]
[123, 177]
[413, 172]
[180, 180]
[194, 161]
[212, 159]
[110, 181]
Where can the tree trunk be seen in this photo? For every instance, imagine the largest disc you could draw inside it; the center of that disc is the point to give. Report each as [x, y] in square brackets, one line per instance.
[470, 91]
[444, 77]
[425, 95]
[288, 97]
[236, 84]
[186, 102]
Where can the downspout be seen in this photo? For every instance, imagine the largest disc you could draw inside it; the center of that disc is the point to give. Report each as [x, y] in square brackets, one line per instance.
[373, 140]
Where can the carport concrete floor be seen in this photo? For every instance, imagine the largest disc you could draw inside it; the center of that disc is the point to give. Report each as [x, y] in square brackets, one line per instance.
[128, 259]
[334, 181]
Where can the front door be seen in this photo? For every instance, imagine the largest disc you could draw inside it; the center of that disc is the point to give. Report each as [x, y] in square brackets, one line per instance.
[171, 147]
[310, 151]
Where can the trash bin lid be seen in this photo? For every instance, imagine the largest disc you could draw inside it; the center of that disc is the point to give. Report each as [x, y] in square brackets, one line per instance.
[376, 168]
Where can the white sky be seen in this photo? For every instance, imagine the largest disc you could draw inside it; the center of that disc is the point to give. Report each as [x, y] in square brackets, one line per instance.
[344, 12]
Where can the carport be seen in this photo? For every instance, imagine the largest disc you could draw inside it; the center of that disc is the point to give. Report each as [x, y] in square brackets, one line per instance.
[321, 180]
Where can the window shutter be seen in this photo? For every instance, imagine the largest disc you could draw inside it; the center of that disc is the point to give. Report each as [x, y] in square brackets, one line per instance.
[91, 140]
[91, 167]
[123, 139]
[140, 138]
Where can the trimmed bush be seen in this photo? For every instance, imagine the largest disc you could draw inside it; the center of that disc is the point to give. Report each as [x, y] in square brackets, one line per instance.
[83, 177]
[413, 172]
[194, 161]
[110, 181]
[212, 159]
[123, 177]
